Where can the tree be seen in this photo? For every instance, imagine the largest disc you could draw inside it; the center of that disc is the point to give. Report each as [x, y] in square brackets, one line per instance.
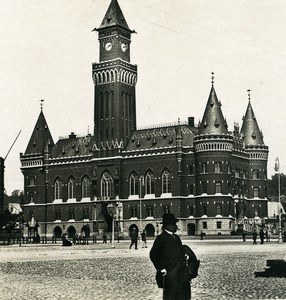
[273, 185]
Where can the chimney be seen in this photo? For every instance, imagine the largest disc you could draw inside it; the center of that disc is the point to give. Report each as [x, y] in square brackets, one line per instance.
[72, 135]
[191, 121]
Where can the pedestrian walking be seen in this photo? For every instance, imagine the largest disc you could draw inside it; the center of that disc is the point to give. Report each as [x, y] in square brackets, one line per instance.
[104, 238]
[168, 258]
[243, 236]
[202, 235]
[134, 238]
[144, 239]
[254, 236]
[261, 236]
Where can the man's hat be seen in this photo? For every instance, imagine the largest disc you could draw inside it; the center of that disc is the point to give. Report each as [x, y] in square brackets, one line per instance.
[169, 219]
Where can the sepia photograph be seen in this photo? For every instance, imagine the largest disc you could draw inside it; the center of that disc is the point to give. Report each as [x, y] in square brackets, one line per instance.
[142, 149]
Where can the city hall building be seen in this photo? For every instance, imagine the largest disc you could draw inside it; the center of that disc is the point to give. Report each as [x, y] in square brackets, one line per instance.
[214, 179]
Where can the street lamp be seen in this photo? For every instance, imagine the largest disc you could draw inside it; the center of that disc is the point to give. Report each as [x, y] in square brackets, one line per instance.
[110, 209]
[277, 169]
[141, 182]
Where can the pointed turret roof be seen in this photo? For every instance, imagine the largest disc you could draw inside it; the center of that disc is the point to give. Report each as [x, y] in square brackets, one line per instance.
[213, 121]
[250, 131]
[40, 138]
[114, 17]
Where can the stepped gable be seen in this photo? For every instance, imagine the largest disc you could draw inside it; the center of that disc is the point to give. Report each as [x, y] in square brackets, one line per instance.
[213, 121]
[161, 137]
[114, 17]
[40, 138]
[250, 131]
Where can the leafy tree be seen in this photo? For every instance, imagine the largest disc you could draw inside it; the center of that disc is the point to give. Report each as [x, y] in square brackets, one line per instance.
[273, 185]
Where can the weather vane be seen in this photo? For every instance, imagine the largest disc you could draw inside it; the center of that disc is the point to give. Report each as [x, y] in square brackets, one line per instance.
[249, 95]
[42, 104]
[212, 78]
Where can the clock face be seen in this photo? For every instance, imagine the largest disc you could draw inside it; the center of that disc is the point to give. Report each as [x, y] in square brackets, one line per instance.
[123, 47]
[108, 46]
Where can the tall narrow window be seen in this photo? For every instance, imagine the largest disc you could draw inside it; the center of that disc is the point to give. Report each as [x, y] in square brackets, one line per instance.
[166, 209]
[133, 184]
[204, 187]
[150, 211]
[71, 187]
[85, 187]
[255, 174]
[106, 185]
[31, 181]
[85, 214]
[218, 209]
[166, 182]
[58, 187]
[72, 214]
[58, 215]
[217, 167]
[255, 192]
[133, 211]
[149, 186]
[218, 187]
[204, 168]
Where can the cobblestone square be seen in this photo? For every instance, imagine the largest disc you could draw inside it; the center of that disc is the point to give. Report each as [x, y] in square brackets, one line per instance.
[97, 271]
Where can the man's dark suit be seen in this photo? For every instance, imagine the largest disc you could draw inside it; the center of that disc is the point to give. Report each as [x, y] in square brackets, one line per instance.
[167, 253]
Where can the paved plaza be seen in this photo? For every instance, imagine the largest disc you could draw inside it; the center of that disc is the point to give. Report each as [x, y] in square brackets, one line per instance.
[97, 271]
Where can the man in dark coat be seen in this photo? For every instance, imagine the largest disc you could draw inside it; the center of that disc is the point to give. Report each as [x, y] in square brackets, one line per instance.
[168, 258]
[134, 238]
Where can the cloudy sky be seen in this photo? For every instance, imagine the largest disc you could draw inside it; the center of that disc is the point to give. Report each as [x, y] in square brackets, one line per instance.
[47, 49]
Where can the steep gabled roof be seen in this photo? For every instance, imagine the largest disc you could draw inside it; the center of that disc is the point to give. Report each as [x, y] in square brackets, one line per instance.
[213, 121]
[41, 137]
[114, 17]
[250, 131]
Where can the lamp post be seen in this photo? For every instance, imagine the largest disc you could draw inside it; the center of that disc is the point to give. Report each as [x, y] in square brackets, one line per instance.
[277, 169]
[110, 209]
[141, 182]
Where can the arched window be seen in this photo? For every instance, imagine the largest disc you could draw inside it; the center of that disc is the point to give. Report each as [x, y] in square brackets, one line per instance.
[149, 183]
[133, 184]
[166, 182]
[71, 188]
[58, 189]
[85, 187]
[106, 185]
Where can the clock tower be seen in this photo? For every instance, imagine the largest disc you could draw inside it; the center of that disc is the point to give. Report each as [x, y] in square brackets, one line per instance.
[114, 80]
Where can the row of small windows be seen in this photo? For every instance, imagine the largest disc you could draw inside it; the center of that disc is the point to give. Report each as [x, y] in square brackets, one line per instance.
[213, 146]
[147, 212]
[84, 214]
[109, 76]
[258, 155]
[218, 225]
[217, 167]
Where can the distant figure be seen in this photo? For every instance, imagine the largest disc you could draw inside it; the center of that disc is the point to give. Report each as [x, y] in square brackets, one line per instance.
[202, 235]
[243, 236]
[267, 236]
[261, 235]
[144, 239]
[134, 238]
[65, 241]
[104, 238]
[254, 236]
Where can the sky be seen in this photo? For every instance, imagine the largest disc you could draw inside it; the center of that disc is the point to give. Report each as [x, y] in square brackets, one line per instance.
[48, 47]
